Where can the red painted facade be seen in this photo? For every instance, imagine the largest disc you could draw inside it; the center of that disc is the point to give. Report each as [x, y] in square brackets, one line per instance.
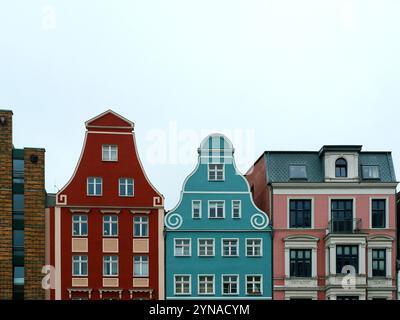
[108, 128]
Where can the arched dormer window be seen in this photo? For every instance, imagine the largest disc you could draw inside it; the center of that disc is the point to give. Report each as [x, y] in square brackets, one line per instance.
[341, 168]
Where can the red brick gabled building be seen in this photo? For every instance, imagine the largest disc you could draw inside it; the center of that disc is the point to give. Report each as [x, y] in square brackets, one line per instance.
[106, 230]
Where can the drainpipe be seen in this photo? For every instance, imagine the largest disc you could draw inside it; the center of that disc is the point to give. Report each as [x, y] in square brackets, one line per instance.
[271, 193]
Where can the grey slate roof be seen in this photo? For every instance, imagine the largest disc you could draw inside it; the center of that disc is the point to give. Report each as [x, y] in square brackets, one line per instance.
[278, 163]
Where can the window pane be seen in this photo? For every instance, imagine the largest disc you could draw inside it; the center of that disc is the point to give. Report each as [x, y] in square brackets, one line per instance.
[297, 172]
[19, 275]
[18, 238]
[18, 202]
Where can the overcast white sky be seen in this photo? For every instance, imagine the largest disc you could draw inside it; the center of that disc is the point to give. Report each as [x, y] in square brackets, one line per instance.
[278, 74]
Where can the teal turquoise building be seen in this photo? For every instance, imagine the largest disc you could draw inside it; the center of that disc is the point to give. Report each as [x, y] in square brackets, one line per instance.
[218, 243]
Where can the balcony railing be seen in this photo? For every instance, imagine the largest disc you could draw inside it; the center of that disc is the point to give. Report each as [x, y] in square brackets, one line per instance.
[345, 226]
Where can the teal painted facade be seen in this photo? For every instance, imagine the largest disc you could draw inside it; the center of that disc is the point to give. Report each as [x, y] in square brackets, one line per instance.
[218, 243]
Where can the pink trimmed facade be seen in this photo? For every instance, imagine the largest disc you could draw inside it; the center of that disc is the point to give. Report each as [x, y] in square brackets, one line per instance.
[325, 238]
[319, 239]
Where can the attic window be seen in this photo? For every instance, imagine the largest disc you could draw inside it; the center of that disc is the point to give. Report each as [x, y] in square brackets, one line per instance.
[298, 172]
[341, 168]
[110, 152]
[370, 172]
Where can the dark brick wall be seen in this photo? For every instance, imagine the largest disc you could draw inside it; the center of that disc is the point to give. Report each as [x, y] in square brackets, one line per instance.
[34, 223]
[6, 269]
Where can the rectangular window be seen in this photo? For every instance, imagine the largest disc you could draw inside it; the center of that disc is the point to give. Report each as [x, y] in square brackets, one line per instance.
[94, 186]
[216, 209]
[126, 187]
[230, 247]
[297, 172]
[182, 285]
[110, 152]
[206, 247]
[253, 285]
[379, 263]
[19, 276]
[79, 225]
[110, 266]
[216, 172]
[370, 172]
[110, 226]
[230, 285]
[18, 171]
[300, 263]
[141, 227]
[254, 247]
[378, 213]
[141, 266]
[18, 238]
[342, 216]
[183, 248]
[80, 266]
[196, 209]
[18, 203]
[206, 285]
[236, 209]
[346, 256]
[300, 214]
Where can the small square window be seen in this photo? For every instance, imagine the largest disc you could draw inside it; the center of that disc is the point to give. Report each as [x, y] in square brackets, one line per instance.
[126, 187]
[94, 186]
[370, 172]
[110, 153]
[297, 172]
[216, 172]
[216, 210]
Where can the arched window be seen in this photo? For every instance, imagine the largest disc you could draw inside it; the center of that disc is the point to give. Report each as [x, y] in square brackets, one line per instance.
[341, 168]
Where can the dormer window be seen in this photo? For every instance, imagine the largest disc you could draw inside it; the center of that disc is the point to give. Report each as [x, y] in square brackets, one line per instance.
[370, 172]
[216, 172]
[341, 168]
[298, 172]
[110, 152]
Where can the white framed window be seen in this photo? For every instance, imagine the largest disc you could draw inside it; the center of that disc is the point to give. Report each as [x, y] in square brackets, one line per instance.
[206, 284]
[80, 266]
[141, 227]
[230, 285]
[141, 266]
[254, 248]
[230, 247]
[126, 187]
[206, 247]
[254, 285]
[110, 152]
[79, 225]
[183, 247]
[216, 209]
[110, 266]
[379, 213]
[182, 285]
[94, 186]
[110, 226]
[236, 209]
[216, 172]
[196, 209]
